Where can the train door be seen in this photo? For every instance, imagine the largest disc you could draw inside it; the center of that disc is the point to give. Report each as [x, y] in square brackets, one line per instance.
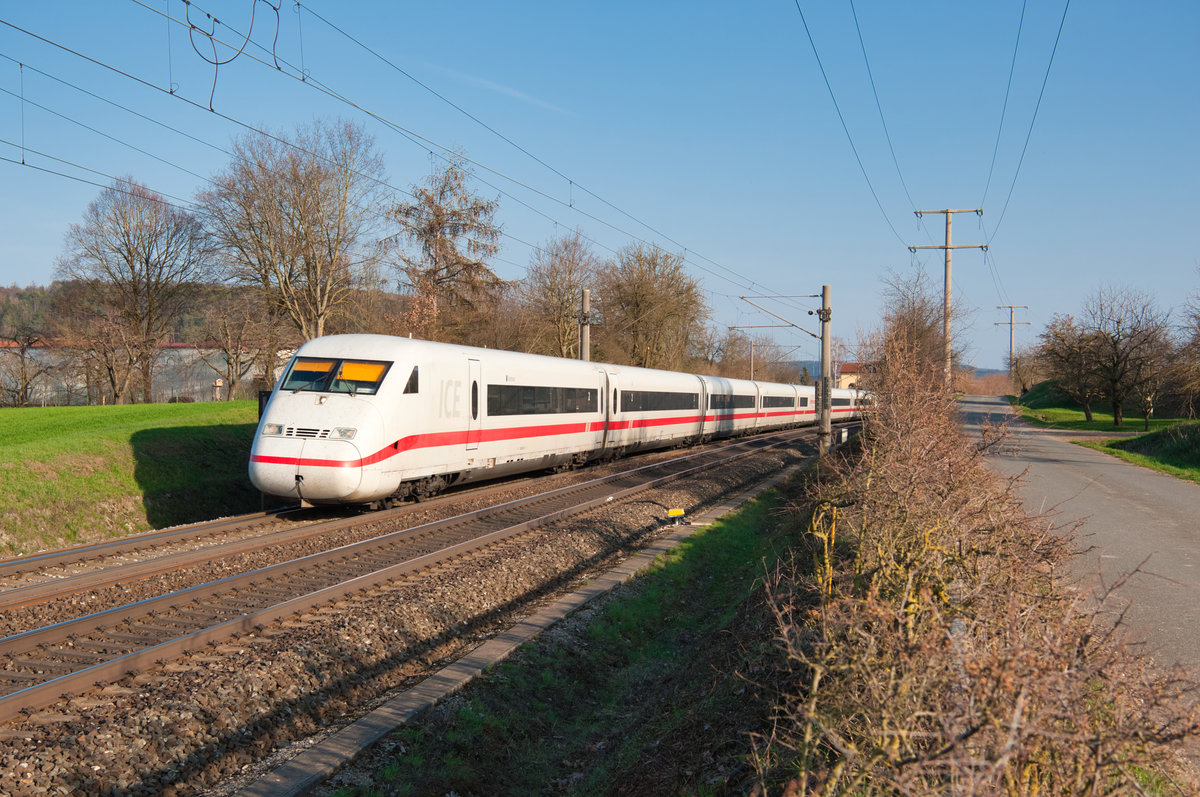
[611, 416]
[476, 409]
[703, 408]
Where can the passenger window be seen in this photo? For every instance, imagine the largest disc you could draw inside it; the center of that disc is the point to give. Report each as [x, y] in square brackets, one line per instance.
[411, 386]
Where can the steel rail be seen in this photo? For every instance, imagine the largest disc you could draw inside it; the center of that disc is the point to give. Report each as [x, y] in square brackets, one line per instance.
[47, 591]
[133, 542]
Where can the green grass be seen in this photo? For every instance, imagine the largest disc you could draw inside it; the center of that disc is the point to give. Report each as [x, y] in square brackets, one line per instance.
[1171, 446]
[1174, 450]
[653, 674]
[69, 474]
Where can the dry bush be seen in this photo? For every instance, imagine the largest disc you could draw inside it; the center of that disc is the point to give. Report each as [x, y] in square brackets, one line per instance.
[933, 647]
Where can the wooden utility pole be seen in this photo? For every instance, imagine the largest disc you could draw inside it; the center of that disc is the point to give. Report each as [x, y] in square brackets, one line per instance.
[948, 246]
[1011, 308]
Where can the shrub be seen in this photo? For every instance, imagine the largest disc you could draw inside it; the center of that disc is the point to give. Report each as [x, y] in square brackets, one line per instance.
[933, 646]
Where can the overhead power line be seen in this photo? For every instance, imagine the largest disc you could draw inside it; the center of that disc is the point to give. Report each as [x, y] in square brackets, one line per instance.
[572, 182]
[1032, 121]
[246, 126]
[845, 128]
[170, 90]
[879, 106]
[1004, 108]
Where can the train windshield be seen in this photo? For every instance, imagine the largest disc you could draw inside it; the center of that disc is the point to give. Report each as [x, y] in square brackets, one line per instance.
[326, 375]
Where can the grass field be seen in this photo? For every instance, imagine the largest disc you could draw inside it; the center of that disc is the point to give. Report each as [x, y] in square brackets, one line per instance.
[70, 474]
[1172, 445]
[1042, 406]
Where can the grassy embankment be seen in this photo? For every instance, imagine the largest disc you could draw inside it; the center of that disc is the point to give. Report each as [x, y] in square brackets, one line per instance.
[73, 474]
[1172, 445]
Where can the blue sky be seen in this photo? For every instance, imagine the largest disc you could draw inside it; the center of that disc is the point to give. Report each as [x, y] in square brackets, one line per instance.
[705, 127]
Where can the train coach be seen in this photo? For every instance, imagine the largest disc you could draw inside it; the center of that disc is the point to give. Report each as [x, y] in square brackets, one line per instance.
[373, 419]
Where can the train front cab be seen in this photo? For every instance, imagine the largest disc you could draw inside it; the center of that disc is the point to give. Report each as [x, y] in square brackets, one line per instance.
[308, 441]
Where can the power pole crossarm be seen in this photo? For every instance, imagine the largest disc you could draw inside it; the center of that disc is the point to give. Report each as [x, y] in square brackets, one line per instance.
[1012, 309]
[946, 301]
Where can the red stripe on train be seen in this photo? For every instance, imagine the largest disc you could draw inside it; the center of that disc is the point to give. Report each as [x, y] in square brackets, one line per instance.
[437, 439]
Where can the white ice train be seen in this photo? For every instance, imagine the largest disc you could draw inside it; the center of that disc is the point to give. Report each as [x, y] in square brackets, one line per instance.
[372, 419]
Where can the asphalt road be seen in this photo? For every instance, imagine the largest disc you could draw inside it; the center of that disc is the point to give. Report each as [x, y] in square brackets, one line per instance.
[1132, 519]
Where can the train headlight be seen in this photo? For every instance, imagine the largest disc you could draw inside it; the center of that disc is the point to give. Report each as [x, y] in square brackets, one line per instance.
[344, 433]
[272, 429]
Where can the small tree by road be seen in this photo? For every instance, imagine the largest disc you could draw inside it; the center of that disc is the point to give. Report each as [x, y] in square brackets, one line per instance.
[1130, 345]
[1067, 357]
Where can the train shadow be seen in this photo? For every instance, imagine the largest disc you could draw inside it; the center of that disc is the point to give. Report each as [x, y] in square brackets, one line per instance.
[192, 473]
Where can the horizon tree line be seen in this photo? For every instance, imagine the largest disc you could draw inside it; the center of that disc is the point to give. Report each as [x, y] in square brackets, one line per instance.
[300, 236]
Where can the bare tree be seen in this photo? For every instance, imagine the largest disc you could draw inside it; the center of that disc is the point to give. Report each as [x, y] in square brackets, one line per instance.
[1131, 345]
[1067, 354]
[23, 364]
[913, 319]
[101, 348]
[1026, 369]
[652, 308]
[452, 232]
[21, 370]
[237, 326]
[299, 219]
[558, 273]
[1186, 372]
[136, 257]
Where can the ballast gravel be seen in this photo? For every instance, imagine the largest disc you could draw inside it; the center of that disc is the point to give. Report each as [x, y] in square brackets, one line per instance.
[211, 721]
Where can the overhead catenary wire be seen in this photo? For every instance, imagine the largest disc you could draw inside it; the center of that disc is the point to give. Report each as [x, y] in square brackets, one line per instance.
[879, 106]
[107, 136]
[426, 143]
[233, 120]
[171, 91]
[116, 181]
[572, 184]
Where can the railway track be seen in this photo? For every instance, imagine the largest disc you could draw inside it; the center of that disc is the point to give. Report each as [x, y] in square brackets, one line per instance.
[76, 561]
[40, 665]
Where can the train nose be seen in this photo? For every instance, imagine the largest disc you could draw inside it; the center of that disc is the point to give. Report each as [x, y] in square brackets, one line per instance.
[309, 470]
